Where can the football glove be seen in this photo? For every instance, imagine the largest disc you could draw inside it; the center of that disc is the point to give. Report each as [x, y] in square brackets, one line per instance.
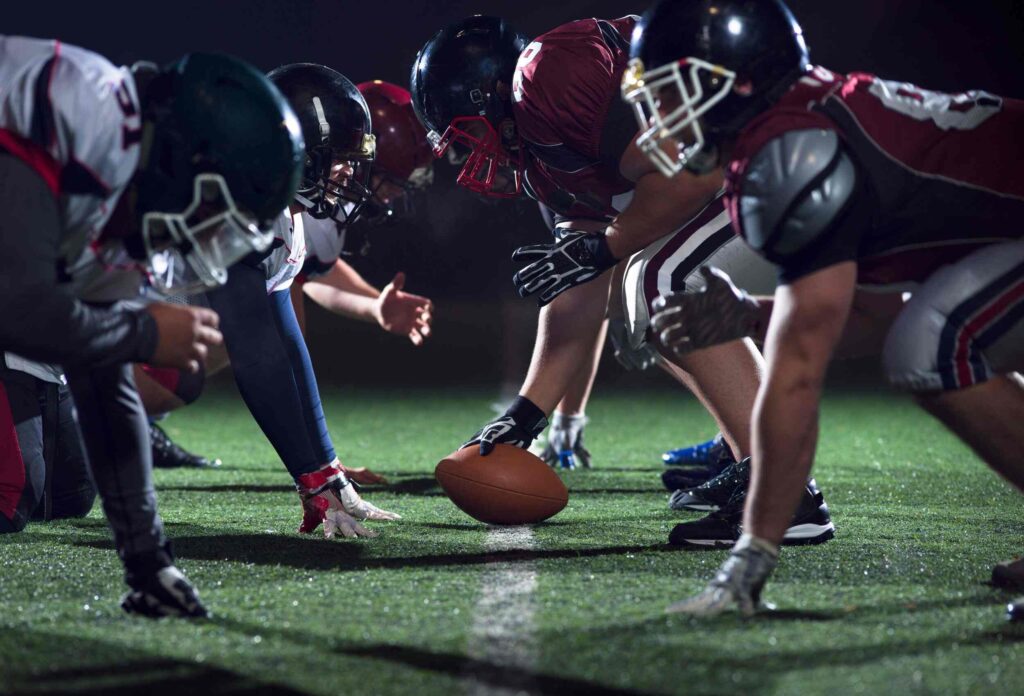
[629, 357]
[328, 497]
[565, 442]
[738, 583]
[519, 426]
[721, 312]
[552, 269]
[158, 588]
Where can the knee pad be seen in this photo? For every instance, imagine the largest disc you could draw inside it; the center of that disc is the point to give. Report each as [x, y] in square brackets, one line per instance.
[910, 355]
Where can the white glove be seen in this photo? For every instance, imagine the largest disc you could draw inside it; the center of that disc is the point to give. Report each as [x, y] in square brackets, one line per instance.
[328, 497]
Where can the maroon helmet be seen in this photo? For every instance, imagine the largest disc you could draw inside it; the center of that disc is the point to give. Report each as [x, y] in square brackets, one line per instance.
[404, 158]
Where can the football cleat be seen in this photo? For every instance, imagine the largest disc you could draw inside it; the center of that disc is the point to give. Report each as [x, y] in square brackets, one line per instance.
[168, 455]
[715, 493]
[696, 455]
[682, 478]
[1015, 611]
[737, 585]
[1009, 575]
[158, 588]
[812, 524]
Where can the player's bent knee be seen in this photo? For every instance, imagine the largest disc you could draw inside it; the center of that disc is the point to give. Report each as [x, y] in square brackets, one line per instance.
[910, 354]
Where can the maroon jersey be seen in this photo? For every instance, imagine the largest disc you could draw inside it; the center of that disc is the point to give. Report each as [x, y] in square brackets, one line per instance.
[565, 85]
[938, 174]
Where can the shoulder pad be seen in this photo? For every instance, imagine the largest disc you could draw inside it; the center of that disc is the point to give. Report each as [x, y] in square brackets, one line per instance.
[793, 189]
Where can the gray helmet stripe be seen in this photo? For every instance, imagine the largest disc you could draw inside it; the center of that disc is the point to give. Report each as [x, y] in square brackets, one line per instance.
[325, 129]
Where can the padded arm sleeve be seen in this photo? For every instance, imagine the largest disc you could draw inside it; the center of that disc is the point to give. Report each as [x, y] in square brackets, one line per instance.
[802, 203]
[38, 318]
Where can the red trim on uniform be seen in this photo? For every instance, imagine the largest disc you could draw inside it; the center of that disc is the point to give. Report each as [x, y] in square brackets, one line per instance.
[166, 377]
[654, 266]
[12, 464]
[35, 157]
[315, 481]
[985, 316]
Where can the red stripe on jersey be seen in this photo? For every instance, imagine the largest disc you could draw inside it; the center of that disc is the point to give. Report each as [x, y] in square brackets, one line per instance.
[12, 465]
[35, 157]
[983, 318]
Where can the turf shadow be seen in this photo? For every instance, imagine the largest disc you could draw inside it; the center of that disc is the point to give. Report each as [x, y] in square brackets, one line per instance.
[314, 554]
[231, 488]
[492, 675]
[116, 670]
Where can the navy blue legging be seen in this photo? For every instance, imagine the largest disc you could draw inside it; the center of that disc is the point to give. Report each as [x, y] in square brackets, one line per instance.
[272, 368]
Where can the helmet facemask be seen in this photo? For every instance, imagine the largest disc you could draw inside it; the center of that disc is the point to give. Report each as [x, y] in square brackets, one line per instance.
[494, 165]
[190, 251]
[695, 87]
[327, 191]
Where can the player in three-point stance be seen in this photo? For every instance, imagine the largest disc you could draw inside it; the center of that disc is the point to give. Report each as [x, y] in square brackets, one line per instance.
[109, 176]
[843, 181]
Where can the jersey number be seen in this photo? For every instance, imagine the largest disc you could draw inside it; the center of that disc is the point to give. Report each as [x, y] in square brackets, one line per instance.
[964, 111]
[525, 58]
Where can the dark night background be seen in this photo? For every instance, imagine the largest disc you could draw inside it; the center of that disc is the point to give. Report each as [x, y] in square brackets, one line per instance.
[457, 248]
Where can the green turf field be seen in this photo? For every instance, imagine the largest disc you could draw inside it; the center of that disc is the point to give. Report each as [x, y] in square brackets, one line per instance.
[897, 603]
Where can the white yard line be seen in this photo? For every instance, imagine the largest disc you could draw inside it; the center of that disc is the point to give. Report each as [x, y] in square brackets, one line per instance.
[503, 618]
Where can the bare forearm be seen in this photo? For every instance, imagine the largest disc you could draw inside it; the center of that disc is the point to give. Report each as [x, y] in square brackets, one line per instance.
[346, 303]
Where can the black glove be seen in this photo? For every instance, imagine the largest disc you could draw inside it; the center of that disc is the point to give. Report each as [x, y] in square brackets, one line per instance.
[520, 425]
[576, 258]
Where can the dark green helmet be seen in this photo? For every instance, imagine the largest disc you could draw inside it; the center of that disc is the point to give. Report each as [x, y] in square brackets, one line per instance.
[222, 156]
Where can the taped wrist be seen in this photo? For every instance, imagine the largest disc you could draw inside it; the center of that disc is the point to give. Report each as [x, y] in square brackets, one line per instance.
[527, 416]
[316, 482]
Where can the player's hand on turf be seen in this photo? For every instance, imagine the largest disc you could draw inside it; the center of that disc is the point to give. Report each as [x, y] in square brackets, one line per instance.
[629, 357]
[329, 498]
[552, 269]
[565, 442]
[519, 426]
[184, 335]
[719, 313]
[403, 313]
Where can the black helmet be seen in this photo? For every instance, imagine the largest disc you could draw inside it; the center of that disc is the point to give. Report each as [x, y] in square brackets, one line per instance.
[461, 87]
[221, 157]
[728, 61]
[336, 125]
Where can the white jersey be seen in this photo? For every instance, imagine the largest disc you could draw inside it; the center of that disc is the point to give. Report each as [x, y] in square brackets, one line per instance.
[324, 241]
[285, 261]
[74, 118]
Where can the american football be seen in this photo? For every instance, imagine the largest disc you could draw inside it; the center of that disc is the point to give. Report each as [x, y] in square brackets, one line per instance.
[718, 306]
[509, 486]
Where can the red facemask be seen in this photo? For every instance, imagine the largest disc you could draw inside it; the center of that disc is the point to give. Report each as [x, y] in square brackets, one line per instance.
[490, 169]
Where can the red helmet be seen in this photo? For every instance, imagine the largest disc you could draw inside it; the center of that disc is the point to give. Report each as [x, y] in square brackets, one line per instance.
[403, 153]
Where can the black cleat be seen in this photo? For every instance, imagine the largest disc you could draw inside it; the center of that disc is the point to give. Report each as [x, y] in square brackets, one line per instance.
[716, 493]
[812, 524]
[679, 478]
[167, 455]
[1015, 611]
[159, 589]
[1009, 575]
